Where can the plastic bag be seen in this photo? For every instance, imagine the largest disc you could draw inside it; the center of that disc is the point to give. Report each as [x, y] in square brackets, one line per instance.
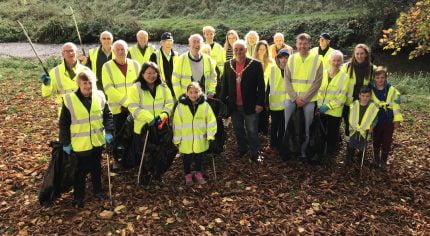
[317, 140]
[294, 135]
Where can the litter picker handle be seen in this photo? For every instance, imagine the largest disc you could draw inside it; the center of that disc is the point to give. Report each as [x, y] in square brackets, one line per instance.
[160, 126]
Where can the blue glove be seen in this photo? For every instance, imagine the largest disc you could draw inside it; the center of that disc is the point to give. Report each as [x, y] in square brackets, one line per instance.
[108, 138]
[397, 101]
[67, 149]
[45, 79]
[324, 108]
[155, 121]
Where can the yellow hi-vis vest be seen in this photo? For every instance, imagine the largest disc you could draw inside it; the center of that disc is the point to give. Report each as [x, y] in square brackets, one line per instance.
[145, 108]
[352, 81]
[277, 89]
[324, 58]
[159, 55]
[116, 85]
[217, 54]
[93, 53]
[333, 94]
[86, 129]
[135, 53]
[192, 133]
[393, 94]
[61, 83]
[268, 71]
[303, 72]
[367, 120]
[182, 75]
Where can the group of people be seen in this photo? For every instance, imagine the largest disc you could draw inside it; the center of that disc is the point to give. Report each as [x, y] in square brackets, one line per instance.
[255, 81]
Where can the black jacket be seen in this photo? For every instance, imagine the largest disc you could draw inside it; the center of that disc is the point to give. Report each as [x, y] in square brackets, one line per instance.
[252, 84]
[66, 121]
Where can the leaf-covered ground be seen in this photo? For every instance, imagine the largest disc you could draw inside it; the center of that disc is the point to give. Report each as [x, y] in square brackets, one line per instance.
[275, 198]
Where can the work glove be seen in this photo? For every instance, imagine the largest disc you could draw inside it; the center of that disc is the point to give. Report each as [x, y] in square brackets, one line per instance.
[155, 121]
[67, 149]
[324, 108]
[108, 138]
[45, 79]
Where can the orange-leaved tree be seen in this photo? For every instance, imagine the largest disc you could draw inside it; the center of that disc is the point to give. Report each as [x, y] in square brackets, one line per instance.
[412, 30]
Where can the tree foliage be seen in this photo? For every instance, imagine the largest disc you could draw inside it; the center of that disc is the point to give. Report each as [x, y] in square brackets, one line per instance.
[412, 30]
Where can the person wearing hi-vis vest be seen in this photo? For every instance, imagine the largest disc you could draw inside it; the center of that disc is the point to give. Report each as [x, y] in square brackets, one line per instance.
[98, 56]
[85, 126]
[324, 49]
[276, 88]
[194, 125]
[217, 51]
[331, 98]
[362, 119]
[165, 58]
[142, 51]
[303, 76]
[389, 117]
[62, 78]
[194, 66]
[150, 103]
[119, 75]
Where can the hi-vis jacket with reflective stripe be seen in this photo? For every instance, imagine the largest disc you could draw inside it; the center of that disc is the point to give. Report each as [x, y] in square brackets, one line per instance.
[325, 57]
[218, 55]
[333, 93]
[61, 83]
[136, 54]
[303, 73]
[352, 81]
[392, 103]
[277, 92]
[86, 129]
[268, 71]
[192, 130]
[144, 107]
[367, 120]
[93, 53]
[182, 75]
[116, 85]
[160, 63]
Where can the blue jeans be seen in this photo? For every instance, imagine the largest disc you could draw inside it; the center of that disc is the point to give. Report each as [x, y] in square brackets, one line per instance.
[246, 130]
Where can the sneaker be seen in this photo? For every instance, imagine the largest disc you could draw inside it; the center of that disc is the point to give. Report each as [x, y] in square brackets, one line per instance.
[199, 177]
[189, 179]
[257, 158]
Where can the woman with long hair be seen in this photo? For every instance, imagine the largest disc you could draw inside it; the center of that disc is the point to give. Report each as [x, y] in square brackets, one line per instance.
[230, 38]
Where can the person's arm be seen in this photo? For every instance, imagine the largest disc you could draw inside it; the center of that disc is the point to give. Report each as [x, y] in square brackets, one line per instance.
[64, 126]
[49, 90]
[212, 78]
[261, 91]
[176, 78]
[168, 104]
[177, 127]
[211, 124]
[315, 86]
[340, 98]
[135, 109]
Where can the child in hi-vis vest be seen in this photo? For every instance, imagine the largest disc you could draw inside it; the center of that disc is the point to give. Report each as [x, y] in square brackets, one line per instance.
[194, 124]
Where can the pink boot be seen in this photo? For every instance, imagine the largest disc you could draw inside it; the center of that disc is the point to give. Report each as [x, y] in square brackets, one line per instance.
[189, 179]
[199, 177]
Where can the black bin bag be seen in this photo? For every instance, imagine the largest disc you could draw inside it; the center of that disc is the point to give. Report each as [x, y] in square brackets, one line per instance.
[294, 135]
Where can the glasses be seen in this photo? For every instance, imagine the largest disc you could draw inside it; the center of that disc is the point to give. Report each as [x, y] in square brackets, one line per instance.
[106, 38]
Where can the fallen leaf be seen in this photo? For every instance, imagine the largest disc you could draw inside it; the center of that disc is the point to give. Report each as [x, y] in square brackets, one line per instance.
[106, 215]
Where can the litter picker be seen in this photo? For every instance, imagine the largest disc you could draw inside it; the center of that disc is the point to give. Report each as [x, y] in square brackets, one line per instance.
[143, 155]
[109, 183]
[364, 153]
[77, 30]
[32, 46]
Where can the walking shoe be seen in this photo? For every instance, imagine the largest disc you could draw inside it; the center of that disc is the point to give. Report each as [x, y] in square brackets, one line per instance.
[256, 158]
[189, 179]
[199, 177]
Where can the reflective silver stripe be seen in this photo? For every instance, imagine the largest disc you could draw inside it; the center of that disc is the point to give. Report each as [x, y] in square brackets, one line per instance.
[114, 104]
[276, 104]
[167, 109]
[211, 133]
[108, 87]
[220, 64]
[180, 76]
[192, 137]
[136, 69]
[300, 81]
[123, 100]
[212, 124]
[396, 112]
[133, 105]
[169, 101]
[272, 80]
[184, 87]
[177, 138]
[277, 93]
[191, 125]
[136, 112]
[85, 120]
[338, 102]
[109, 71]
[314, 70]
[86, 134]
[176, 84]
[68, 100]
[367, 121]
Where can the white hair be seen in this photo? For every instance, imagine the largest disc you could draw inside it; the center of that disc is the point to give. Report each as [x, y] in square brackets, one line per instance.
[106, 32]
[122, 42]
[278, 35]
[252, 32]
[196, 36]
[141, 32]
[240, 42]
[335, 53]
[69, 44]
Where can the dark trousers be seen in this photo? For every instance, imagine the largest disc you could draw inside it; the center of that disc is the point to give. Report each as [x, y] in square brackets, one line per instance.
[188, 159]
[119, 120]
[345, 116]
[88, 163]
[331, 125]
[383, 138]
[263, 121]
[277, 128]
